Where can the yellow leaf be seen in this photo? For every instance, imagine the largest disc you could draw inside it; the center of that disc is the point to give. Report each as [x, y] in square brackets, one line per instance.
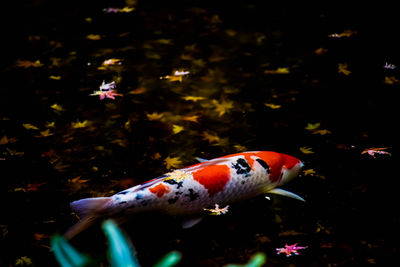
[23, 261]
[126, 9]
[193, 98]
[137, 91]
[210, 137]
[278, 71]
[342, 68]
[53, 77]
[177, 129]
[94, 37]
[306, 150]
[240, 148]
[51, 124]
[5, 140]
[390, 80]
[26, 63]
[310, 172]
[312, 127]
[56, 107]
[79, 124]
[222, 107]
[155, 116]
[173, 162]
[273, 106]
[30, 126]
[193, 118]
[322, 132]
[45, 133]
[345, 33]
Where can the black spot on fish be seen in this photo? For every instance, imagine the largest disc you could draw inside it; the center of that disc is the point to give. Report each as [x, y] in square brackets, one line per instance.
[173, 182]
[243, 182]
[263, 164]
[178, 193]
[192, 195]
[173, 200]
[122, 202]
[241, 166]
[138, 196]
[123, 192]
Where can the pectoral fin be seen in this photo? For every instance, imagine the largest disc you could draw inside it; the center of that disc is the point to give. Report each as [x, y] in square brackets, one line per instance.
[201, 159]
[190, 222]
[285, 193]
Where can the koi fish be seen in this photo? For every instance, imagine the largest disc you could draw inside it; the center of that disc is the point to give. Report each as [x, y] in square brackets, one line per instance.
[188, 191]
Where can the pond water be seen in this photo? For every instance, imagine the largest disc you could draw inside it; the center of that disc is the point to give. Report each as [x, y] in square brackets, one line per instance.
[310, 81]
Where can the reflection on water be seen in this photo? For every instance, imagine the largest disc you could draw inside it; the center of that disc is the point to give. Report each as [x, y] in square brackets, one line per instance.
[97, 98]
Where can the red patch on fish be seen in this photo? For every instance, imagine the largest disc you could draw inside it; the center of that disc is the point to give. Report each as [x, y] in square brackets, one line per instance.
[213, 178]
[275, 163]
[160, 190]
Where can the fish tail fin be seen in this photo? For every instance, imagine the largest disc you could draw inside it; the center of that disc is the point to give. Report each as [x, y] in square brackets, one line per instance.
[89, 210]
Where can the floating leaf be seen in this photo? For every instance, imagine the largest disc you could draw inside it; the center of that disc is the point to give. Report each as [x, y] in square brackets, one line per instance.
[172, 162]
[193, 98]
[273, 106]
[222, 107]
[79, 124]
[321, 132]
[210, 137]
[278, 71]
[45, 133]
[306, 150]
[373, 150]
[390, 80]
[56, 107]
[310, 172]
[193, 118]
[27, 64]
[54, 77]
[5, 140]
[29, 126]
[23, 261]
[345, 33]
[342, 68]
[155, 116]
[177, 129]
[94, 37]
[312, 126]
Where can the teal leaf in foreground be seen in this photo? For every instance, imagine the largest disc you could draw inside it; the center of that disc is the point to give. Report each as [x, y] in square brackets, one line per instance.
[169, 260]
[121, 251]
[66, 255]
[256, 260]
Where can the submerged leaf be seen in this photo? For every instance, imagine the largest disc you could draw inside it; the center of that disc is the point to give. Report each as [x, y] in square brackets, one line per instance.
[66, 255]
[177, 129]
[222, 107]
[306, 150]
[173, 162]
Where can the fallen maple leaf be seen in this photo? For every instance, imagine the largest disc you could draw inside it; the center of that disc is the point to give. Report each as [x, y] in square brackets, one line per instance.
[172, 162]
[373, 150]
[278, 71]
[390, 80]
[210, 137]
[273, 106]
[54, 77]
[94, 37]
[306, 150]
[5, 140]
[193, 98]
[312, 126]
[321, 132]
[177, 129]
[345, 33]
[23, 261]
[79, 124]
[155, 116]
[342, 68]
[45, 133]
[193, 118]
[29, 126]
[56, 107]
[27, 64]
[222, 107]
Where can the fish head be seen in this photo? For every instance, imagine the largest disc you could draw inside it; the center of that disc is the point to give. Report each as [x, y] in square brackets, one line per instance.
[291, 168]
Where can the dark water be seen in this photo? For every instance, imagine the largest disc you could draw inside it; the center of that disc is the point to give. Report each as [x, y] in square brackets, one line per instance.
[59, 144]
